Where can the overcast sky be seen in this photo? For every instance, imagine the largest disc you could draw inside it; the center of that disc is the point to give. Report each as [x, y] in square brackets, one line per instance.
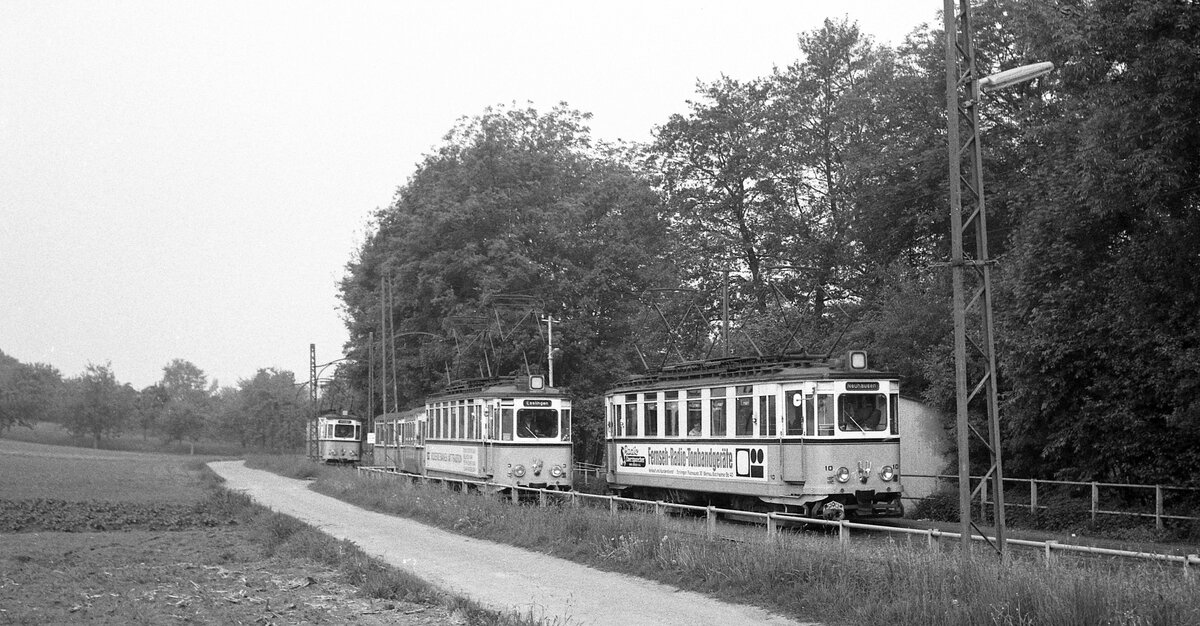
[189, 179]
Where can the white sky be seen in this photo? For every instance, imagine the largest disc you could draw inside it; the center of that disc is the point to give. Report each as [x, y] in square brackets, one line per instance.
[189, 179]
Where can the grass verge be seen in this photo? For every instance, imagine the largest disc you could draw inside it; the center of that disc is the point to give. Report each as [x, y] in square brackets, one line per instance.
[803, 576]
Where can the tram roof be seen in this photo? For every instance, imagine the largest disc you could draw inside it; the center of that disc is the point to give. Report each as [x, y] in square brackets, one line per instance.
[748, 369]
[505, 386]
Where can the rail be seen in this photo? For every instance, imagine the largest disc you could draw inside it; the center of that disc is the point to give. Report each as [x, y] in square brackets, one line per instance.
[1029, 498]
[775, 521]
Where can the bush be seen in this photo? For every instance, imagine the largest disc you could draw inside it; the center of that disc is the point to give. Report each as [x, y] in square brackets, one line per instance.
[939, 507]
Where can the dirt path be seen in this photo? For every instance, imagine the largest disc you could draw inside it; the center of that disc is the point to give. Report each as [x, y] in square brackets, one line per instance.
[499, 576]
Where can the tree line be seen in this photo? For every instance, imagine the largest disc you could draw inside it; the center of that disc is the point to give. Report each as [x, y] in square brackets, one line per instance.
[816, 198]
[267, 411]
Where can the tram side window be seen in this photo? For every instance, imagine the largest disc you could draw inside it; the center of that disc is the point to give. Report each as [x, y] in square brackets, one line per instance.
[766, 416]
[566, 424]
[631, 415]
[651, 415]
[824, 414]
[716, 414]
[795, 413]
[743, 414]
[694, 413]
[671, 414]
[894, 413]
[506, 424]
[472, 421]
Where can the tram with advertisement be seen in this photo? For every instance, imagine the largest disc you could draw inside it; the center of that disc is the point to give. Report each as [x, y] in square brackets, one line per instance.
[510, 432]
[796, 434]
[335, 438]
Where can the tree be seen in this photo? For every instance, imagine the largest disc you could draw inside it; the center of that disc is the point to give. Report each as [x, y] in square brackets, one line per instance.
[99, 404]
[186, 410]
[719, 168]
[31, 393]
[516, 202]
[1101, 292]
[267, 411]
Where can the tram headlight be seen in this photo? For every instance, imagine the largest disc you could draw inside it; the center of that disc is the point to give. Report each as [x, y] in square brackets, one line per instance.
[887, 473]
[518, 470]
[843, 474]
[557, 471]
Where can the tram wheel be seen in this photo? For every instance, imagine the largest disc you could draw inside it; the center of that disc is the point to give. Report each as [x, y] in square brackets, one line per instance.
[831, 510]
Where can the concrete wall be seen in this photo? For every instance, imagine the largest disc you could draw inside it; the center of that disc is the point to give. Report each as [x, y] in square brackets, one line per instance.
[926, 447]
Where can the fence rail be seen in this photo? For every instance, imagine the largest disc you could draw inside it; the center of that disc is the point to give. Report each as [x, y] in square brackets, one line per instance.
[775, 521]
[1030, 485]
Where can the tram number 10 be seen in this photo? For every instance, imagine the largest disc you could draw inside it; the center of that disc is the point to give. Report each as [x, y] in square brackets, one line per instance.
[829, 468]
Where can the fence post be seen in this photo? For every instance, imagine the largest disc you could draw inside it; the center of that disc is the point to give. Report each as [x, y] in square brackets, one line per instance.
[1032, 497]
[711, 522]
[612, 506]
[1049, 554]
[574, 500]
[1158, 507]
[932, 540]
[844, 533]
[772, 530]
[516, 497]
[1095, 499]
[542, 498]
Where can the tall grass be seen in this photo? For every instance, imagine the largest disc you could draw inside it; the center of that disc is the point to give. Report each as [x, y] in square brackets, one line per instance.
[803, 575]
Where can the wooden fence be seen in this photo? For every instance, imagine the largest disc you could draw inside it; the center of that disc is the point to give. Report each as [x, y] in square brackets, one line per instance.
[1022, 493]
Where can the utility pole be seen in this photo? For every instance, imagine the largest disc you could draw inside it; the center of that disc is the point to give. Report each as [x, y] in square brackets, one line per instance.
[962, 119]
[312, 375]
[549, 319]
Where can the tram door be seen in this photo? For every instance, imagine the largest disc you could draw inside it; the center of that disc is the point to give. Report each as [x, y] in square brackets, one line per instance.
[792, 451]
[490, 427]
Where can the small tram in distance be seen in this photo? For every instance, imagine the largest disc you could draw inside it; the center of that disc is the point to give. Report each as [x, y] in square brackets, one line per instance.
[335, 438]
[511, 432]
[797, 434]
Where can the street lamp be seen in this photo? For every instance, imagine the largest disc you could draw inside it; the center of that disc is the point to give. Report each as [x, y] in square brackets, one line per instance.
[960, 73]
[1016, 75]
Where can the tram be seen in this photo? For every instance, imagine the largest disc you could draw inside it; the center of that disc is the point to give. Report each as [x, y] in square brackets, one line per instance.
[798, 434]
[335, 438]
[510, 432]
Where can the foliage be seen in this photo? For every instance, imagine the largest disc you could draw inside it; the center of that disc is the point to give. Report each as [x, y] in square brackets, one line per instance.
[186, 410]
[29, 393]
[99, 405]
[518, 215]
[266, 412]
[1102, 302]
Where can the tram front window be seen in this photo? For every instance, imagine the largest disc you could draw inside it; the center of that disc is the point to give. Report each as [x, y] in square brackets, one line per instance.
[537, 423]
[862, 412]
[345, 431]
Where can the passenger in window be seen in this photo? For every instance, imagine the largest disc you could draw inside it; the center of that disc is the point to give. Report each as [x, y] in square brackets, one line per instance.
[872, 418]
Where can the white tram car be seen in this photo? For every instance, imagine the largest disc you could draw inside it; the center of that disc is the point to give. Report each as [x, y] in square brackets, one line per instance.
[796, 434]
[335, 438]
[512, 432]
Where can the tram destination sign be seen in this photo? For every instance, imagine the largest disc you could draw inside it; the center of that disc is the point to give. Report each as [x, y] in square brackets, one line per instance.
[859, 386]
[537, 403]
